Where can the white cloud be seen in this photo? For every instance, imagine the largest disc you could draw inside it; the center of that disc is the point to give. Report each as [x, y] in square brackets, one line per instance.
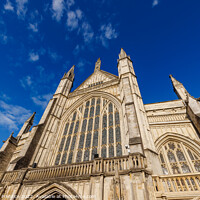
[4, 97]
[42, 100]
[3, 38]
[70, 3]
[33, 27]
[58, 8]
[13, 116]
[107, 33]
[155, 3]
[33, 56]
[21, 7]
[26, 81]
[54, 56]
[87, 32]
[73, 18]
[8, 6]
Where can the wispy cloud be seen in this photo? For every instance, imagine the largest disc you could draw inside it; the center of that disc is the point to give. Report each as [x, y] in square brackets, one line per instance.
[21, 7]
[42, 100]
[33, 27]
[107, 33]
[155, 3]
[58, 7]
[53, 55]
[12, 116]
[87, 32]
[8, 6]
[33, 56]
[73, 18]
[4, 96]
[3, 38]
[26, 81]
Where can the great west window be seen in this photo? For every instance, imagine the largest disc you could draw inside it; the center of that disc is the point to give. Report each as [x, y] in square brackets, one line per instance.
[93, 128]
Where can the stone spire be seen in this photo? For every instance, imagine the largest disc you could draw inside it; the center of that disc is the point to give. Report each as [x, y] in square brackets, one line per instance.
[122, 54]
[179, 89]
[69, 74]
[98, 64]
[27, 125]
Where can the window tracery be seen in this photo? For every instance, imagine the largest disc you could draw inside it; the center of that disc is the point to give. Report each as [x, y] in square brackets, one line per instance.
[176, 158]
[93, 128]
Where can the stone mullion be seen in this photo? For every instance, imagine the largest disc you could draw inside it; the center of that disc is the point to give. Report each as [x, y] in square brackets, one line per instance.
[92, 132]
[107, 128]
[114, 133]
[188, 160]
[177, 160]
[168, 165]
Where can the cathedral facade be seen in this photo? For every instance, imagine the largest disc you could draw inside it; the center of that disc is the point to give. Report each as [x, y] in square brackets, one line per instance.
[101, 142]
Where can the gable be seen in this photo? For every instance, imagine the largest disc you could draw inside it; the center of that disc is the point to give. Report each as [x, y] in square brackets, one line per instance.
[97, 78]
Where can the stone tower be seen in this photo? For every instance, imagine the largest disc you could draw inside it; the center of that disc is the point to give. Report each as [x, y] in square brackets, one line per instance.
[101, 142]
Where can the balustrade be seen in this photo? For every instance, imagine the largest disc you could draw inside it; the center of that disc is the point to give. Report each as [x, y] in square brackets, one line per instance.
[107, 165]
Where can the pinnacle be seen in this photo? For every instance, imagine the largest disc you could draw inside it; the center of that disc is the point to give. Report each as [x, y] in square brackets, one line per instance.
[98, 64]
[122, 54]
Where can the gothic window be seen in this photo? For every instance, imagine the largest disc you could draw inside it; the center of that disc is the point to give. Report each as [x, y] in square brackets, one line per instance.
[86, 155]
[64, 158]
[176, 157]
[57, 159]
[62, 144]
[66, 129]
[67, 143]
[88, 140]
[93, 127]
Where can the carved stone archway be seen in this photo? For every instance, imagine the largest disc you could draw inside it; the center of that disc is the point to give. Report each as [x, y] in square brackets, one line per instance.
[55, 191]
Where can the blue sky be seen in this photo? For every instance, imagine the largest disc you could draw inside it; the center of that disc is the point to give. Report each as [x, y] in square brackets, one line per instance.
[40, 40]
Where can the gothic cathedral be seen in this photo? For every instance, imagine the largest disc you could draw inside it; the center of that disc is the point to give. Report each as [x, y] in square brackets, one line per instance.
[100, 142]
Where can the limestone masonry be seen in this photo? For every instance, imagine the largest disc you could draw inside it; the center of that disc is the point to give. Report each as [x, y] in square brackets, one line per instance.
[101, 142]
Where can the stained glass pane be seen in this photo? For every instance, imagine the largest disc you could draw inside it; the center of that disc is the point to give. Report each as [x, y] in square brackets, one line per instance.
[64, 158]
[90, 124]
[171, 146]
[197, 166]
[104, 136]
[74, 117]
[95, 139]
[57, 159]
[171, 157]
[111, 151]
[76, 127]
[98, 101]
[116, 118]
[92, 111]
[118, 134]
[94, 151]
[67, 143]
[62, 144]
[97, 109]
[81, 141]
[103, 152]
[70, 158]
[185, 168]
[84, 126]
[66, 129]
[111, 139]
[164, 169]
[180, 155]
[110, 119]
[161, 158]
[104, 124]
[175, 170]
[110, 107]
[73, 143]
[88, 103]
[119, 149]
[93, 101]
[71, 128]
[190, 154]
[79, 156]
[86, 155]
[96, 124]
[88, 140]
[86, 112]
